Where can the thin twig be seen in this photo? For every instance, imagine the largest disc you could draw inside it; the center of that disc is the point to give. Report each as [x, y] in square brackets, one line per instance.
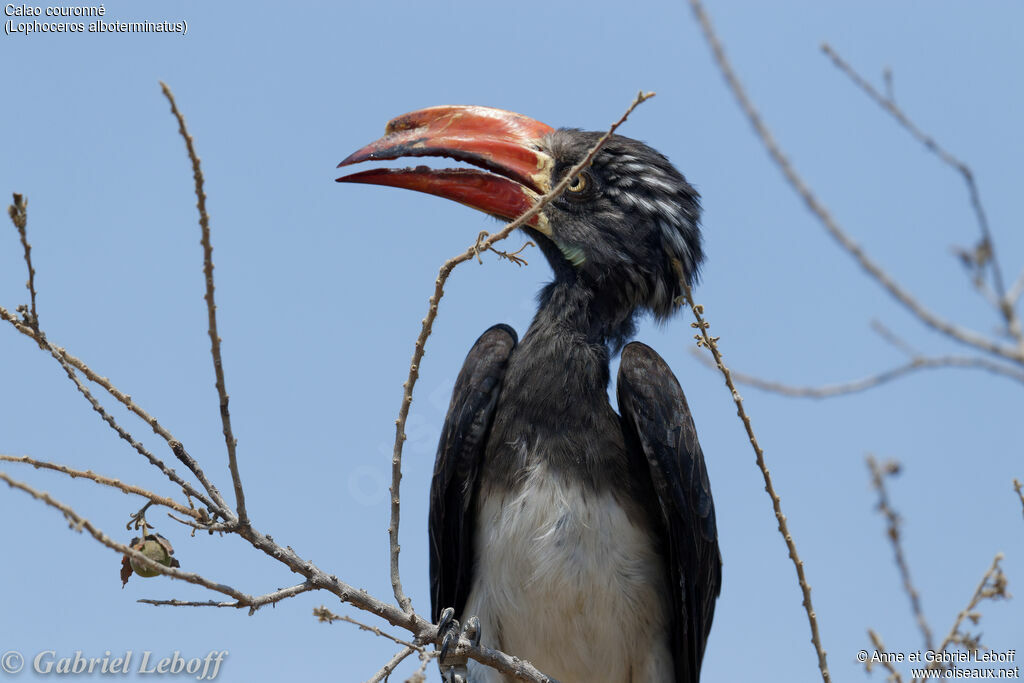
[887, 103]
[208, 525]
[18, 211]
[925, 315]
[128, 403]
[423, 631]
[105, 481]
[427, 326]
[253, 604]
[211, 308]
[77, 522]
[878, 474]
[852, 387]
[893, 339]
[704, 339]
[992, 587]
[1019, 488]
[1016, 290]
[894, 675]
[420, 674]
[123, 433]
[392, 664]
[327, 616]
[182, 455]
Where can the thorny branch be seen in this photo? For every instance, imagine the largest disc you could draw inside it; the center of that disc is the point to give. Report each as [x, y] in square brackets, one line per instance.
[878, 475]
[211, 307]
[711, 343]
[428, 323]
[869, 265]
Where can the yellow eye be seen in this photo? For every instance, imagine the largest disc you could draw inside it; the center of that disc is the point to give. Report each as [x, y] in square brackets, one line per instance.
[578, 184]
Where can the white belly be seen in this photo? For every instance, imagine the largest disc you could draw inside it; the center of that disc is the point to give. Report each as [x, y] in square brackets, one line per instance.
[565, 580]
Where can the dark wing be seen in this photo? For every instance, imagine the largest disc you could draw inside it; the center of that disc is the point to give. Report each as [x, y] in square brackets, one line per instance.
[459, 455]
[657, 420]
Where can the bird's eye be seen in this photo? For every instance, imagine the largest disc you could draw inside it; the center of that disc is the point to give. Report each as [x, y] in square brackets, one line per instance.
[578, 184]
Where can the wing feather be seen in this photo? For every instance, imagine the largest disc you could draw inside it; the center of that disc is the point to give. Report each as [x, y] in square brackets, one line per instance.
[657, 419]
[459, 455]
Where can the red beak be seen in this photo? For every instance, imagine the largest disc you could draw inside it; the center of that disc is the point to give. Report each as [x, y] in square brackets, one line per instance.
[505, 143]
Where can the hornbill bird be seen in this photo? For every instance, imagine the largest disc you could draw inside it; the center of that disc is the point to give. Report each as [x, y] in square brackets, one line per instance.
[581, 539]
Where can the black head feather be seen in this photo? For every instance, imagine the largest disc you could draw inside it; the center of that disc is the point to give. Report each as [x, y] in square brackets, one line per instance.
[626, 227]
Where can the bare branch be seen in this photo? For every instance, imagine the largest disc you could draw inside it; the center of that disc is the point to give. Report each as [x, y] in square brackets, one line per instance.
[208, 525]
[18, 211]
[878, 474]
[389, 668]
[423, 631]
[925, 315]
[106, 481]
[706, 340]
[831, 390]
[1004, 306]
[992, 587]
[77, 522]
[1019, 488]
[420, 674]
[327, 616]
[188, 603]
[58, 354]
[128, 403]
[894, 675]
[253, 604]
[893, 339]
[513, 666]
[211, 308]
[427, 326]
[1016, 290]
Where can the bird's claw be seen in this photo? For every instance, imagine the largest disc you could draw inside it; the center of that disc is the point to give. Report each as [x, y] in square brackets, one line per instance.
[448, 626]
[471, 630]
[454, 671]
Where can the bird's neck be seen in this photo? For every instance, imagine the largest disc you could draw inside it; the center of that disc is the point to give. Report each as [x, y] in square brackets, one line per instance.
[569, 306]
[554, 402]
[571, 339]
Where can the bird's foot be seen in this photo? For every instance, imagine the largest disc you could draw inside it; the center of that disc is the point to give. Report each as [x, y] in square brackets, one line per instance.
[471, 630]
[448, 630]
[453, 668]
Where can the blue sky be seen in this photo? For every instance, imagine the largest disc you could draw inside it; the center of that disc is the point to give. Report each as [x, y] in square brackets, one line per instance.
[321, 289]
